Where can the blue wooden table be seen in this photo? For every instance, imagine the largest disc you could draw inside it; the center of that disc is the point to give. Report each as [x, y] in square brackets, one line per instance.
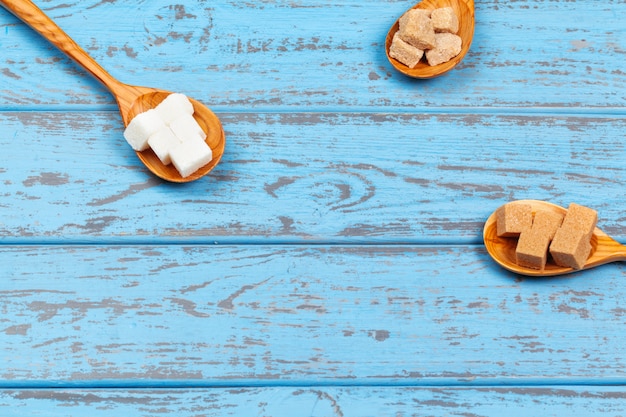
[332, 264]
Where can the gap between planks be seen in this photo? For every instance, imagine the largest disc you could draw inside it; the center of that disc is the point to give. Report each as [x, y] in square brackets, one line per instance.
[427, 383]
[590, 112]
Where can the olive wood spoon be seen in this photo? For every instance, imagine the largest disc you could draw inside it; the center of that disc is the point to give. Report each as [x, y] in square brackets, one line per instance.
[464, 10]
[131, 99]
[604, 249]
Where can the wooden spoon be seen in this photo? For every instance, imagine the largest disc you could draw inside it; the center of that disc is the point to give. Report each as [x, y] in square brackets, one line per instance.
[131, 100]
[604, 249]
[464, 10]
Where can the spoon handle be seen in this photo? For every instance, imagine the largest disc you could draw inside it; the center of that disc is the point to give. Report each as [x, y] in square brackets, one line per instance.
[607, 250]
[34, 17]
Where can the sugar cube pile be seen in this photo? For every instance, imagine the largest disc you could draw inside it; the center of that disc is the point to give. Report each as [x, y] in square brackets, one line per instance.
[171, 131]
[426, 33]
[567, 239]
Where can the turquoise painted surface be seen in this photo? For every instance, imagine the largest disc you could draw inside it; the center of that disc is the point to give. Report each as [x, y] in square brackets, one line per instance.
[332, 263]
[321, 55]
[307, 177]
[318, 402]
[282, 314]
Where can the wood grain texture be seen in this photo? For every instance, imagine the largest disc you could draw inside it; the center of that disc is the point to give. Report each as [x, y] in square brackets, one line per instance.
[308, 177]
[281, 314]
[332, 264]
[319, 401]
[319, 55]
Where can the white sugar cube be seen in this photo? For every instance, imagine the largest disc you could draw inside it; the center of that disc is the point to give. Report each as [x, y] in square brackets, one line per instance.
[186, 127]
[190, 156]
[174, 106]
[162, 142]
[141, 127]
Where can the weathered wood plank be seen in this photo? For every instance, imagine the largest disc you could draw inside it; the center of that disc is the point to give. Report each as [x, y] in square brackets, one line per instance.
[320, 401]
[274, 315]
[318, 55]
[328, 149]
[311, 177]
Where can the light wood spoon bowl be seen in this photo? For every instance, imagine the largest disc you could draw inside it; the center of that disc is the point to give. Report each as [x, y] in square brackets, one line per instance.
[131, 99]
[464, 10]
[604, 249]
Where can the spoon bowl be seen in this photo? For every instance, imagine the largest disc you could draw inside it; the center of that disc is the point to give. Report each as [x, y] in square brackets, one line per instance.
[131, 99]
[464, 10]
[604, 249]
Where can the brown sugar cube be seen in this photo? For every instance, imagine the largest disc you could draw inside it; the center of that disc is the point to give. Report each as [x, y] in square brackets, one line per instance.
[416, 28]
[533, 243]
[513, 218]
[447, 46]
[570, 248]
[405, 53]
[581, 218]
[445, 20]
[412, 13]
[572, 243]
[532, 250]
